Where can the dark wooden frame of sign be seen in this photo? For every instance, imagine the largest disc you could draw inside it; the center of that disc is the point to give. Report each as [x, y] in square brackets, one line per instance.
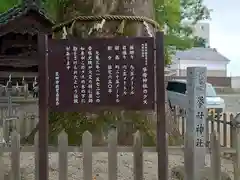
[159, 97]
[43, 107]
[160, 108]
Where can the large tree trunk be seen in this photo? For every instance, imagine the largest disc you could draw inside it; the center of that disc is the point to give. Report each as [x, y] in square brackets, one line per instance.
[117, 7]
[110, 7]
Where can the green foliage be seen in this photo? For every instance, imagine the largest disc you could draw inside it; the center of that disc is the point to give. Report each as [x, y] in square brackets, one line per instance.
[199, 42]
[170, 14]
[75, 124]
[6, 4]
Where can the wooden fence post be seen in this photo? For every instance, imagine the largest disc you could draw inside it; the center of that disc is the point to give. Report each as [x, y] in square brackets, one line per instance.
[36, 156]
[183, 126]
[15, 156]
[23, 126]
[224, 130]
[207, 128]
[112, 154]
[1, 166]
[87, 155]
[232, 131]
[218, 122]
[138, 156]
[18, 125]
[6, 130]
[27, 126]
[215, 156]
[1, 154]
[62, 155]
[236, 160]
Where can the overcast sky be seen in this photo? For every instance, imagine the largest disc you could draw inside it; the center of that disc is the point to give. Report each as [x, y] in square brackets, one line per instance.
[225, 31]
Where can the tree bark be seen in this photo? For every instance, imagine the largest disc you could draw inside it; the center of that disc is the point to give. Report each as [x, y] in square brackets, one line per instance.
[117, 7]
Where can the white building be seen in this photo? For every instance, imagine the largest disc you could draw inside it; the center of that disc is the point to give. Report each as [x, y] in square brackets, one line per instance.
[215, 62]
[202, 30]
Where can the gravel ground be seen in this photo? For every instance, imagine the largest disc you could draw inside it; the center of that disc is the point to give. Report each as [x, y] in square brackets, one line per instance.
[100, 165]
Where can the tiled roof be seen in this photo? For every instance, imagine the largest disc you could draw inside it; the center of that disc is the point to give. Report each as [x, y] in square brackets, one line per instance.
[199, 53]
[23, 9]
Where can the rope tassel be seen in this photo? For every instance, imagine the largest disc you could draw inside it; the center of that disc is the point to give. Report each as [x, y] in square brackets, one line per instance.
[64, 34]
[71, 28]
[97, 27]
[121, 27]
[148, 29]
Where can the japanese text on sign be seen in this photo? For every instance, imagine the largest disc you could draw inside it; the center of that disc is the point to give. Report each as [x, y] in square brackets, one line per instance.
[82, 75]
[200, 108]
[119, 74]
[197, 103]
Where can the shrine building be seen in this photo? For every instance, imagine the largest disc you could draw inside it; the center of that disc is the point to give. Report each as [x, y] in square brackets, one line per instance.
[19, 28]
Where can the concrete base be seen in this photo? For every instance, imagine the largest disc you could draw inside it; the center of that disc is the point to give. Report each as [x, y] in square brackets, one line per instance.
[178, 172]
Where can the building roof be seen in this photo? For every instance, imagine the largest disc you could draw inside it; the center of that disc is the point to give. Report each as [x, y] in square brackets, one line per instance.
[23, 9]
[200, 53]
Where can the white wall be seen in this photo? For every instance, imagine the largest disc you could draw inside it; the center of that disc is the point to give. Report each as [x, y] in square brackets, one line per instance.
[211, 65]
[235, 82]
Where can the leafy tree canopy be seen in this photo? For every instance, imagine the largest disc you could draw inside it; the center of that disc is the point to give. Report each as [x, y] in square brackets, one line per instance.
[172, 13]
[200, 42]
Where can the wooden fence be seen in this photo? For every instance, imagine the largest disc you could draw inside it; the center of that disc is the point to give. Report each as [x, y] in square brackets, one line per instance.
[23, 126]
[216, 127]
[87, 151]
[62, 149]
[221, 124]
[19, 91]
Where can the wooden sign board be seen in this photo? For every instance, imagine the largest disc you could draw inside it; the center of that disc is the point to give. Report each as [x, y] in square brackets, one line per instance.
[78, 75]
[92, 73]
